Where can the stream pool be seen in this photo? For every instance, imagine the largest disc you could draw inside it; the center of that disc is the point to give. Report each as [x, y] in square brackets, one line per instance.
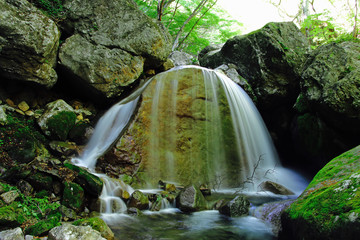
[173, 224]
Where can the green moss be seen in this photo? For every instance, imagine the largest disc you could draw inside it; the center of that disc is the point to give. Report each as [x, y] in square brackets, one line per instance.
[73, 196]
[60, 124]
[332, 200]
[20, 139]
[44, 226]
[97, 224]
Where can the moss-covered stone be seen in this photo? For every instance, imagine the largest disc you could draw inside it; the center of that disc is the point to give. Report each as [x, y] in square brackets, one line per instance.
[73, 196]
[138, 200]
[10, 216]
[40, 181]
[91, 183]
[61, 123]
[42, 227]
[329, 208]
[97, 224]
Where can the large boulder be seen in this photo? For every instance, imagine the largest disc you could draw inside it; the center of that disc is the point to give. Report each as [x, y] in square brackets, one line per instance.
[330, 85]
[270, 59]
[107, 70]
[110, 44]
[28, 43]
[329, 206]
[12, 234]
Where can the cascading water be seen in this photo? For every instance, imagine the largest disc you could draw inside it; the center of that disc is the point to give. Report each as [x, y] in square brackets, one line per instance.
[193, 125]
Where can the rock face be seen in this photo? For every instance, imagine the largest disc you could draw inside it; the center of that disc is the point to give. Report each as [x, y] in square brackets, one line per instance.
[110, 43]
[328, 106]
[330, 84]
[270, 59]
[329, 206]
[28, 43]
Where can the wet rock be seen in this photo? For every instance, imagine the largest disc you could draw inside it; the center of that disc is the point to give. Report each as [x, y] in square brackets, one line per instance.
[190, 199]
[40, 181]
[237, 207]
[3, 118]
[71, 232]
[138, 200]
[24, 56]
[97, 224]
[12, 234]
[57, 120]
[275, 188]
[91, 183]
[328, 208]
[67, 213]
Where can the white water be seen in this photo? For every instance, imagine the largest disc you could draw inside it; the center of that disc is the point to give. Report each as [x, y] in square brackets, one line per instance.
[252, 141]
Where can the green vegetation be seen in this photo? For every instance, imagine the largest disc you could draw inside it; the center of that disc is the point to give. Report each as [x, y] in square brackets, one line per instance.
[20, 140]
[331, 199]
[211, 25]
[52, 8]
[61, 123]
[29, 212]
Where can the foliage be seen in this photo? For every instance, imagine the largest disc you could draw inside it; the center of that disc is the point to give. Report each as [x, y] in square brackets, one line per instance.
[320, 29]
[32, 207]
[208, 27]
[52, 8]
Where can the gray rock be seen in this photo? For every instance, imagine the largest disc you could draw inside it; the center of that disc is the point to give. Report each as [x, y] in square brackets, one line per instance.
[28, 43]
[3, 118]
[10, 196]
[190, 199]
[71, 232]
[330, 85]
[111, 43]
[239, 206]
[107, 70]
[12, 234]
[182, 58]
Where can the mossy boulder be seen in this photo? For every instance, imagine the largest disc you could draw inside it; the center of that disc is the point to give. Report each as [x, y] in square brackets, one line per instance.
[91, 183]
[73, 196]
[40, 181]
[57, 120]
[97, 224]
[330, 85]
[190, 199]
[329, 207]
[138, 200]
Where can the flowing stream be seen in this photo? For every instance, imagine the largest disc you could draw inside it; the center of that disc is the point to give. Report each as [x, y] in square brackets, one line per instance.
[202, 128]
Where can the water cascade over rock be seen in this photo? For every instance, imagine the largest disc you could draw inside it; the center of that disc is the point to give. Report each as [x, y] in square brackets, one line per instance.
[192, 126]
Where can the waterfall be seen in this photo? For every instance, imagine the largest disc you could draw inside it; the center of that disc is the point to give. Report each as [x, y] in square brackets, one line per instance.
[194, 125]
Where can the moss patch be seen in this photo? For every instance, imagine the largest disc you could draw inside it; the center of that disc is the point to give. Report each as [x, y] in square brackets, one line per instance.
[331, 203]
[61, 123]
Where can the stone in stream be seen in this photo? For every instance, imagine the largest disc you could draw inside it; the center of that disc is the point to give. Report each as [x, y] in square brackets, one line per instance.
[237, 207]
[275, 188]
[190, 199]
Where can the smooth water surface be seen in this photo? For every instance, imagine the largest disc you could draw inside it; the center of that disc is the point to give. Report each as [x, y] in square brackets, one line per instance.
[173, 224]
